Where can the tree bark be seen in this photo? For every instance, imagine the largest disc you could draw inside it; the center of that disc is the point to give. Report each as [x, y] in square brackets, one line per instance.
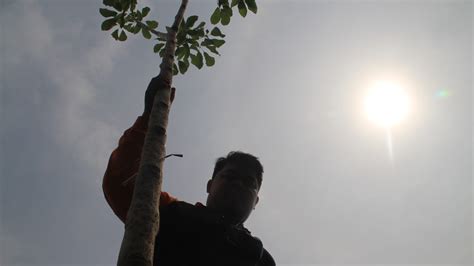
[143, 218]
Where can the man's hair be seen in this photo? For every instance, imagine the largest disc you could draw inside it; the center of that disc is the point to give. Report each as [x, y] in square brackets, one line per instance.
[241, 159]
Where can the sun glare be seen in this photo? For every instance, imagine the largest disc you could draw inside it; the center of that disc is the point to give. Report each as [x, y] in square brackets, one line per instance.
[386, 104]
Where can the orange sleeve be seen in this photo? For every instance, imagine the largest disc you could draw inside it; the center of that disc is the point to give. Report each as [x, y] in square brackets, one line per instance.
[123, 164]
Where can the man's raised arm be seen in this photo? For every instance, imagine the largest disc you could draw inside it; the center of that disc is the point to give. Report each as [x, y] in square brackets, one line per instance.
[118, 182]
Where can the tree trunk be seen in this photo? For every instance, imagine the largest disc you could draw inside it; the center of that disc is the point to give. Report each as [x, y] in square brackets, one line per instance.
[143, 218]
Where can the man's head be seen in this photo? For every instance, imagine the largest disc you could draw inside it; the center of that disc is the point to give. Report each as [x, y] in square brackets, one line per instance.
[233, 188]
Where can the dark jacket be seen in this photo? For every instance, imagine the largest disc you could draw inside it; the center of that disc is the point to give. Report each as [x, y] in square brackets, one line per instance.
[192, 235]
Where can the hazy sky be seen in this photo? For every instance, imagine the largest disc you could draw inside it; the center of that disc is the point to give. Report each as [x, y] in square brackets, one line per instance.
[287, 88]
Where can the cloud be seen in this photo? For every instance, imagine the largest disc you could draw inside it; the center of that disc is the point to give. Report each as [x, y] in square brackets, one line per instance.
[33, 39]
[28, 36]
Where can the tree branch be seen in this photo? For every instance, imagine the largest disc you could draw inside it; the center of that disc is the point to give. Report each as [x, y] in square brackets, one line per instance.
[166, 66]
[158, 34]
[143, 218]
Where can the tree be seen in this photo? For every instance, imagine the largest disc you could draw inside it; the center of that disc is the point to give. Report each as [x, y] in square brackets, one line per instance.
[183, 42]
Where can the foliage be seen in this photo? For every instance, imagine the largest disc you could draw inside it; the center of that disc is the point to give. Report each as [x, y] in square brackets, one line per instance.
[196, 43]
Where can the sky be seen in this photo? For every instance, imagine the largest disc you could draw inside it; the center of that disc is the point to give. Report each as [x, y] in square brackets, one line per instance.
[288, 87]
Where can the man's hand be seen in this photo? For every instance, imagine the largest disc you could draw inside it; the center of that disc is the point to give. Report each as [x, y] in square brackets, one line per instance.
[150, 95]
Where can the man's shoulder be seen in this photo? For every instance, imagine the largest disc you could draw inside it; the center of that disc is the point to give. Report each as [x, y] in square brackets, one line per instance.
[266, 259]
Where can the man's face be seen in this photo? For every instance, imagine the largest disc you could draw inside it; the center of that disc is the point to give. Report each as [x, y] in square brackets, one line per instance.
[233, 192]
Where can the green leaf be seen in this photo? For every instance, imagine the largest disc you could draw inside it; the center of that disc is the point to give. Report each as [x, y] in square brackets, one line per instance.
[180, 52]
[216, 16]
[212, 49]
[181, 38]
[218, 43]
[121, 20]
[108, 24]
[125, 4]
[109, 2]
[183, 66]
[145, 11]
[123, 36]
[201, 32]
[242, 8]
[107, 13]
[195, 34]
[217, 32]
[193, 43]
[195, 46]
[197, 60]
[201, 25]
[128, 27]
[251, 5]
[235, 2]
[210, 61]
[187, 51]
[139, 15]
[162, 52]
[146, 33]
[223, 2]
[115, 34]
[158, 47]
[225, 20]
[227, 11]
[175, 69]
[117, 6]
[136, 29]
[190, 21]
[152, 24]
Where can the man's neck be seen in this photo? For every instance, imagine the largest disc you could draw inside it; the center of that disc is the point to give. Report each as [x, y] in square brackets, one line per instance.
[226, 219]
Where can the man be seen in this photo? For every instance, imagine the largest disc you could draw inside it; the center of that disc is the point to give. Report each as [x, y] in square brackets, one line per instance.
[211, 234]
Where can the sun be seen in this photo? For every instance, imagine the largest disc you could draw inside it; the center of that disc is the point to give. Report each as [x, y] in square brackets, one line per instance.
[387, 104]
